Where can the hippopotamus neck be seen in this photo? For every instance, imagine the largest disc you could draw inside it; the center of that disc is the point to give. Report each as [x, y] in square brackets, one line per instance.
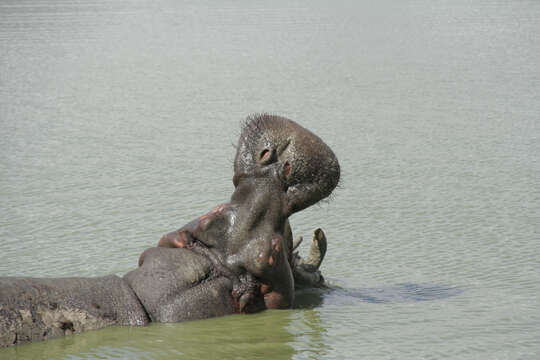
[259, 203]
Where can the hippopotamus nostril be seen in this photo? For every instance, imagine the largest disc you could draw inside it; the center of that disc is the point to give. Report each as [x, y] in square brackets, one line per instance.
[287, 169]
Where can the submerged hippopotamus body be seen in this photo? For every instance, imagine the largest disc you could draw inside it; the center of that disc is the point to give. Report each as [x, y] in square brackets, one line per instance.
[238, 258]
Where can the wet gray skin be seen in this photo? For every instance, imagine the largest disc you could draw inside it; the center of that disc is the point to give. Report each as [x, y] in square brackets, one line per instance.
[38, 309]
[237, 258]
[280, 168]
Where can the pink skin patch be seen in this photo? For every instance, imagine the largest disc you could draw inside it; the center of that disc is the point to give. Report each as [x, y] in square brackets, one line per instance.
[218, 209]
[287, 169]
[276, 244]
[182, 240]
[272, 257]
[205, 220]
[261, 258]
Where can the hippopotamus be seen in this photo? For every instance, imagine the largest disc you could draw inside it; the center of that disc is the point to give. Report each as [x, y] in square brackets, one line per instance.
[238, 258]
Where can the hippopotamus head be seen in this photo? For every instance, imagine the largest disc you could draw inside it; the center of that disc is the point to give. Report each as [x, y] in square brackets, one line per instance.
[307, 168]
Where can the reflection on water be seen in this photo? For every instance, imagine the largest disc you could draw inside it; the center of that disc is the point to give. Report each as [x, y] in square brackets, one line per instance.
[279, 334]
[242, 337]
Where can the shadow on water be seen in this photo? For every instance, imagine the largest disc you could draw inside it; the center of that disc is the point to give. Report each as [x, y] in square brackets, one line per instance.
[399, 293]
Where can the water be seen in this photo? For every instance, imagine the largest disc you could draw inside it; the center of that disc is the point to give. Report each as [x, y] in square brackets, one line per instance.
[117, 122]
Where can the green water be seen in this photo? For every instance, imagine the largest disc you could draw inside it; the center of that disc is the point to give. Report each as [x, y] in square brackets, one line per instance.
[228, 337]
[117, 119]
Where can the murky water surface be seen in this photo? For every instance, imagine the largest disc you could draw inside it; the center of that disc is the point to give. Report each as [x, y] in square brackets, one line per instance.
[117, 121]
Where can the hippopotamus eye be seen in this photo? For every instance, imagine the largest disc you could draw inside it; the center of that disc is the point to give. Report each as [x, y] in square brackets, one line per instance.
[267, 156]
[264, 154]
